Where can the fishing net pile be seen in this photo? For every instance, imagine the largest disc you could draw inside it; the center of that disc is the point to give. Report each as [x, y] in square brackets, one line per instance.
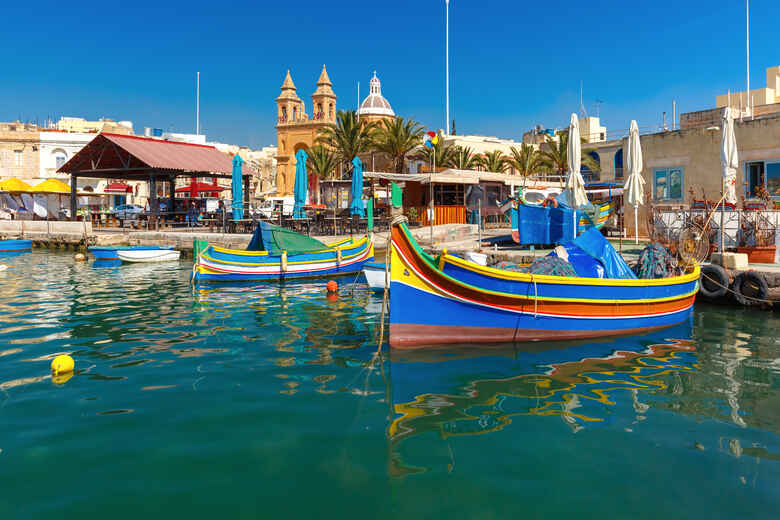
[552, 265]
[655, 261]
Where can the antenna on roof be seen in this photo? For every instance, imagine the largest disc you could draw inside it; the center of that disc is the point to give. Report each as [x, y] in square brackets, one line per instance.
[583, 112]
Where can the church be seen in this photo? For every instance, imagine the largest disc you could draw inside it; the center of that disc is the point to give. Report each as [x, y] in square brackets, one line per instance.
[295, 130]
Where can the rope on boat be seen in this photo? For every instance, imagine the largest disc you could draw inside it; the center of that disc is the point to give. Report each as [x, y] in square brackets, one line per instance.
[385, 301]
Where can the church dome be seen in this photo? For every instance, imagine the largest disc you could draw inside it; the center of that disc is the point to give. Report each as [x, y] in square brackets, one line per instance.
[375, 104]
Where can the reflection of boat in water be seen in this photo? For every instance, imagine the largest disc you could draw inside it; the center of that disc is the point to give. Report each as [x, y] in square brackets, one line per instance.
[470, 391]
[446, 299]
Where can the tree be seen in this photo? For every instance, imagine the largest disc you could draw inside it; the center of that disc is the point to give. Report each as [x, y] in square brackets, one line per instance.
[463, 159]
[397, 137]
[322, 161]
[347, 137]
[443, 154]
[494, 161]
[525, 161]
[555, 157]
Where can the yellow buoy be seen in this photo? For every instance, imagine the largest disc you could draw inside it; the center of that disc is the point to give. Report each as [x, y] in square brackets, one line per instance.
[80, 257]
[62, 364]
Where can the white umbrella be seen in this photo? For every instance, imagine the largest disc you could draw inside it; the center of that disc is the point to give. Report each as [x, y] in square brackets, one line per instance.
[575, 185]
[729, 158]
[635, 184]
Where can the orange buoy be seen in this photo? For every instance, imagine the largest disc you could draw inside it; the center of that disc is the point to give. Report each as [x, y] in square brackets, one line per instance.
[332, 286]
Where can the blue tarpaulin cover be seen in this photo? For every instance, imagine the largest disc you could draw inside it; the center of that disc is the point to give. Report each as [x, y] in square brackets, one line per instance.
[585, 265]
[594, 244]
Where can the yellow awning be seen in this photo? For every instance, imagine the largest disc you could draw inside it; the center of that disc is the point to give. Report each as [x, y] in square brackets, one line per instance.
[14, 184]
[51, 186]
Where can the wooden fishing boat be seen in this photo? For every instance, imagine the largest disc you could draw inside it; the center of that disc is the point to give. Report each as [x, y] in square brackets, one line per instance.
[280, 254]
[148, 255]
[446, 299]
[112, 252]
[15, 246]
[375, 276]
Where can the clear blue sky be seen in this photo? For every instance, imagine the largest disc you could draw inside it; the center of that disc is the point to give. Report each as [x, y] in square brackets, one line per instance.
[513, 64]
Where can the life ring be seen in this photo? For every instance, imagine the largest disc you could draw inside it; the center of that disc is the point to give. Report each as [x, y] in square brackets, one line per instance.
[549, 201]
[714, 282]
[749, 288]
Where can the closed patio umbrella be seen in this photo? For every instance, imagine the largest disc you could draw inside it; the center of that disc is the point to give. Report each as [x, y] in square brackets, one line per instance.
[575, 184]
[238, 188]
[730, 161]
[301, 183]
[356, 207]
[635, 184]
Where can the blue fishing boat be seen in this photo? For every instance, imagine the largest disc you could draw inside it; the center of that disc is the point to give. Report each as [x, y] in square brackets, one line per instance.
[15, 246]
[275, 253]
[446, 299]
[110, 252]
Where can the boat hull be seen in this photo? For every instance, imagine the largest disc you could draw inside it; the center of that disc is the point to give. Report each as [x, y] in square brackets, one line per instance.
[460, 302]
[375, 276]
[111, 253]
[148, 255]
[15, 246]
[225, 265]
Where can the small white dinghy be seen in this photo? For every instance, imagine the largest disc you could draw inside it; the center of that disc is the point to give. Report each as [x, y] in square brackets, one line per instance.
[148, 255]
[375, 276]
[3, 267]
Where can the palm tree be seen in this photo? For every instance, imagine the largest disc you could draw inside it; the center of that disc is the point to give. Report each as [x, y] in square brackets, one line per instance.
[555, 157]
[464, 159]
[525, 161]
[441, 152]
[494, 161]
[322, 161]
[397, 137]
[348, 137]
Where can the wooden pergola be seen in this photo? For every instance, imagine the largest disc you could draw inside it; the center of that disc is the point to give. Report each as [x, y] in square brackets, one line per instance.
[134, 158]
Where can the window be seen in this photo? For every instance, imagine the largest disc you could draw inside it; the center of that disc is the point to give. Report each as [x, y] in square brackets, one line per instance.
[619, 164]
[448, 194]
[773, 179]
[17, 157]
[668, 183]
[755, 178]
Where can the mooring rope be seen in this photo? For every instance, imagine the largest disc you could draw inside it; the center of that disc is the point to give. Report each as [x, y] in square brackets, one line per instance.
[770, 302]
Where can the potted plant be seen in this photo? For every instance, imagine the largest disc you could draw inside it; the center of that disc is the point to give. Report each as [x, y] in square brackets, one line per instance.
[756, 235]
[411, 214]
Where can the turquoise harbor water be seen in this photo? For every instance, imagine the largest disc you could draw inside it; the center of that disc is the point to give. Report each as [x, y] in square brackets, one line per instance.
[263, 401]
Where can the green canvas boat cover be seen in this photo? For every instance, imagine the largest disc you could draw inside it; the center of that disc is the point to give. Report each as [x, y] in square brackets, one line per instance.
[275, 239]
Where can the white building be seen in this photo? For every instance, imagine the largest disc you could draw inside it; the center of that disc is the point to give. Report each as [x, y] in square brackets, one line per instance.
[56, 149]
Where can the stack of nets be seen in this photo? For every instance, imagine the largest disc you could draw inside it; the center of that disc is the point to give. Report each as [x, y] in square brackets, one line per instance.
[655, 261]
[552, 265]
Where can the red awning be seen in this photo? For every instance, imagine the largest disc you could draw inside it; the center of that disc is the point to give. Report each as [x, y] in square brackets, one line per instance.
[200, 187]
[118, 187]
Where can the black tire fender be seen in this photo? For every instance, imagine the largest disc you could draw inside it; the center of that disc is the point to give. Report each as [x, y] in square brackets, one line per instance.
[714, 282]
[749, 288]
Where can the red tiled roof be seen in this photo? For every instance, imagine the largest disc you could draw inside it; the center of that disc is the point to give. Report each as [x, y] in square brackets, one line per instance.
[151, 153]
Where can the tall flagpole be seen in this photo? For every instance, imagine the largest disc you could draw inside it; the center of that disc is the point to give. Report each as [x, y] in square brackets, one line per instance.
[197, 104]
[447, 58]
[747, 53]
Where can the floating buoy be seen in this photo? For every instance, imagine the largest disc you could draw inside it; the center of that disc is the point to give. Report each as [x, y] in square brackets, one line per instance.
[332, 286]
[62, 364]
[80, 257]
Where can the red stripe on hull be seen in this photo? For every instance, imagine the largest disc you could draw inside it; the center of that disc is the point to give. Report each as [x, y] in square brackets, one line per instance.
[408, 336]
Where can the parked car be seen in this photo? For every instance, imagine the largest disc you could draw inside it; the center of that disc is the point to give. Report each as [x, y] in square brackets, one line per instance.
[127, 211]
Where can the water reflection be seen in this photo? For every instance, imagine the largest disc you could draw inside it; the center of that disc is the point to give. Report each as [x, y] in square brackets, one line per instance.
[614, 384]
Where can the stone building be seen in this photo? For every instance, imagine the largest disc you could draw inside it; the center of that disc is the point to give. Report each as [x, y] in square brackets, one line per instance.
[20, 151]
[81, 125]
[375, 107]
[295, 130]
